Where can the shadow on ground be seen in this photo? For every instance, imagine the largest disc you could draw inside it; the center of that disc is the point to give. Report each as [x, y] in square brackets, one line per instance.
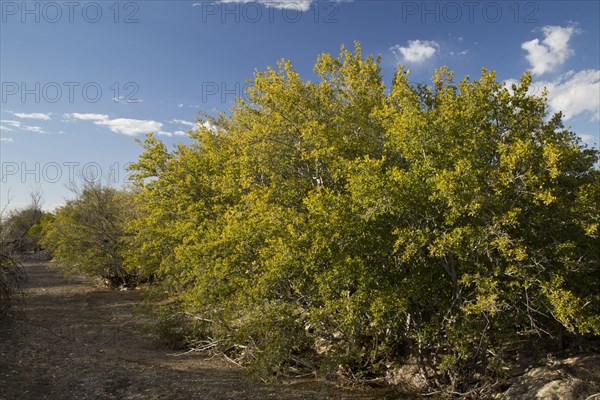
[70, 340]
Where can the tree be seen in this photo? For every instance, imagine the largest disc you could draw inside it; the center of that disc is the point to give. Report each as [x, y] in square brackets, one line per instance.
[19, 230]
[87, 236]
[356, 227]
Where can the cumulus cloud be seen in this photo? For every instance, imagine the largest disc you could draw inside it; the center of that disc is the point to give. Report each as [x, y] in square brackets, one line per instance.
[552, 51]
[575, 93]
[41, 116]
[6, 139]
[416, 52]
[179, 133]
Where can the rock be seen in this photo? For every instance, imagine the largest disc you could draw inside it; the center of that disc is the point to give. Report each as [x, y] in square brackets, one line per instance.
[407, 375]
[575, 378]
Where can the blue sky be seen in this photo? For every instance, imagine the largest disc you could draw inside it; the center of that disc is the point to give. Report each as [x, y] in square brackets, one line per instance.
[80, 80]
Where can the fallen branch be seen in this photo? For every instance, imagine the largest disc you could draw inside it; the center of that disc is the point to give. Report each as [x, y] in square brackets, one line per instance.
[207, 346]
[232, 360]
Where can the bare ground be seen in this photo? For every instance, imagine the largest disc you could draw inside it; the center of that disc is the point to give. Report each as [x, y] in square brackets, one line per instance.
[71, 340]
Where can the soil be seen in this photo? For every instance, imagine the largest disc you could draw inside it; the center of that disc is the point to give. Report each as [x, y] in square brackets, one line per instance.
[73, 340]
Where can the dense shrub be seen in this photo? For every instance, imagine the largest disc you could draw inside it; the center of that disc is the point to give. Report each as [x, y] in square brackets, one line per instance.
[350, 227]
[86, 235]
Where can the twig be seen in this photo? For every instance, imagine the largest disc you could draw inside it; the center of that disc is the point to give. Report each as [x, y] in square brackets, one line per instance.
[181, 354]
[207, 346]
[232, 360]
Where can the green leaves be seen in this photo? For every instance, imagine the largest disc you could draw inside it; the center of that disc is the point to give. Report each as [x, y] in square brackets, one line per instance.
[429, 220]
[86, 235]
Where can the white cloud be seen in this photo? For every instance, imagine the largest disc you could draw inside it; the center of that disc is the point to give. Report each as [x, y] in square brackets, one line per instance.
[575, 93]
[533, 87]
[125, 126]
[210, 126]
[15, 124]
[5, 128]
[180, 105]
[6, 139]
[87, 117]
[42, 116]
[36, 129]
[552, 51]
[183, 122]
[459, 53]
[19, 125]
[179, 133]
[587, 138]
[417, 51]
[131, 127]
[300, 5]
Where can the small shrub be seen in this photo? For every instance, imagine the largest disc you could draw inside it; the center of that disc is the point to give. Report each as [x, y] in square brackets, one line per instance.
[86, 235]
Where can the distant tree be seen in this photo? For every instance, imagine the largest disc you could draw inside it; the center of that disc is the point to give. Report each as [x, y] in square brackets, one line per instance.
[19, 230]
[86, 234]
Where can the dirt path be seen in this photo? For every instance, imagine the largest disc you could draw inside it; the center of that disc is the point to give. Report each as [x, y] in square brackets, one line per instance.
[73, 341]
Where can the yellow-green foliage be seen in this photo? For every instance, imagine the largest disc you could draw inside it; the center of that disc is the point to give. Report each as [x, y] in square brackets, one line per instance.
[361, 225]
[86, 235]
